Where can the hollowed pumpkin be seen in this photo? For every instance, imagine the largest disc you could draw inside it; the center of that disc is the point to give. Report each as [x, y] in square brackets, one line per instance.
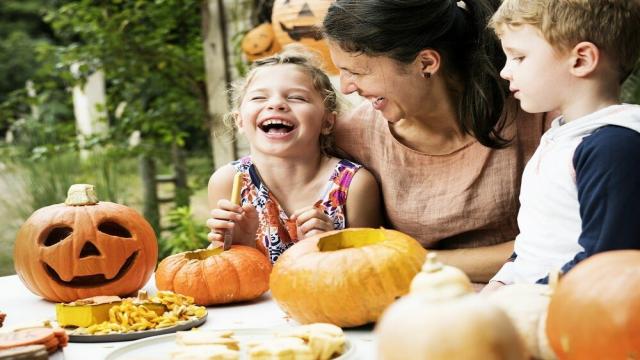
[345, 277]
[594, 312]
[84, 248]
[214, 276]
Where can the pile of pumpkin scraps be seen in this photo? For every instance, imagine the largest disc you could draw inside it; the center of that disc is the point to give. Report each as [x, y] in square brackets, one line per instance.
[131, 316]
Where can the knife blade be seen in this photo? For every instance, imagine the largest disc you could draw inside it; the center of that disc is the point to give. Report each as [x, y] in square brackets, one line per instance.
[235, 198]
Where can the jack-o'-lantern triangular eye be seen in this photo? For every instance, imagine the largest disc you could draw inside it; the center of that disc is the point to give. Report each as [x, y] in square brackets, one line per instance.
[56, 235]
[114, 229]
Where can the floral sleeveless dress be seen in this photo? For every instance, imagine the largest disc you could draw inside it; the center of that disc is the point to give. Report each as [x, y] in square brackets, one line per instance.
[276, 231]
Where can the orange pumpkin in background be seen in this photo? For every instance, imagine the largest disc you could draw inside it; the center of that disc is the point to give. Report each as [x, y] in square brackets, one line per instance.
[345, 277]
[594, 312]
[300, 21]
[260, 42]
[85, 248]
[214, 276]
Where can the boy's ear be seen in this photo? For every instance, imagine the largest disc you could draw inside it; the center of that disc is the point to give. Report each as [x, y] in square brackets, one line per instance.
[429, 61]
[328, 123]
[585, 58]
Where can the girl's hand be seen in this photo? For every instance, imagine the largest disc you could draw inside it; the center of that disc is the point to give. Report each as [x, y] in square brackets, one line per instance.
[242, 219]
[492, 286]
[311, 221]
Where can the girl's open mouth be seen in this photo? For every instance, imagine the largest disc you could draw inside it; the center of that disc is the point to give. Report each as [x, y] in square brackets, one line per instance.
[276, 126]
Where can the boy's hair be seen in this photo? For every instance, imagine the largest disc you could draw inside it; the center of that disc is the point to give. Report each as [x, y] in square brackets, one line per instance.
[611, 25]
[307, 61]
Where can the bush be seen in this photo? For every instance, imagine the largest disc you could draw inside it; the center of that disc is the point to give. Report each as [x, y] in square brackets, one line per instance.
[184, 233]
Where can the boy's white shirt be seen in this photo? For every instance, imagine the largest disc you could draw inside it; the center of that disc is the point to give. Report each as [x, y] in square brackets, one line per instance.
[549, 216]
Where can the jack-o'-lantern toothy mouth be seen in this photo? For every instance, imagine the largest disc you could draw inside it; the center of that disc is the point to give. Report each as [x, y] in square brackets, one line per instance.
[91, 280]
[297, 33]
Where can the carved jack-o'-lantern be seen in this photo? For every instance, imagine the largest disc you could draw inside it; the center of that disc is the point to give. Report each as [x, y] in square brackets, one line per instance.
[260, 42]
[85, 248]
[300, 21]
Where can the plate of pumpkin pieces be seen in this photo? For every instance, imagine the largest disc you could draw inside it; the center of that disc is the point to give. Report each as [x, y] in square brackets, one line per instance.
[111, 318]
[317, 341]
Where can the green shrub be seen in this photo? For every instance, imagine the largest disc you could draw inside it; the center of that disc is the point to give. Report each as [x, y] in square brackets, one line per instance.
[183, 234]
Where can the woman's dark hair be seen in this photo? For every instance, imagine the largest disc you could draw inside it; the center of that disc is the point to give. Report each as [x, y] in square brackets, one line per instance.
[471, 53]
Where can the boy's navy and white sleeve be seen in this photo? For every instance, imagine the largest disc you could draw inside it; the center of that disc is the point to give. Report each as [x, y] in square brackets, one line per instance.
[607, 167]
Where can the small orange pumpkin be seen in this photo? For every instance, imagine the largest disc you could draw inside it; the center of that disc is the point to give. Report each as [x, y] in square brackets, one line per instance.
[594, 312]
[345, 277]
[214, 276]
[260, 42]
[300, 21]
[85, 248]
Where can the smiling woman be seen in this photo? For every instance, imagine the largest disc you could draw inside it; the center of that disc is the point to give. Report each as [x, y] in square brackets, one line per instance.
[438, 131]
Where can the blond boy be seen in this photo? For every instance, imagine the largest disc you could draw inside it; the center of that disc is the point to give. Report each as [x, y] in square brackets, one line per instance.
[581, 189]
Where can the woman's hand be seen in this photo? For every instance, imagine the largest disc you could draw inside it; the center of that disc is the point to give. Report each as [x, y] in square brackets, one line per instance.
[243, 220]
[311, 221]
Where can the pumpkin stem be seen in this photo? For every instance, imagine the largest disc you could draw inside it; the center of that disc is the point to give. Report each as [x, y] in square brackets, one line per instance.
[554, 277]
[432, 264]
[81, 194]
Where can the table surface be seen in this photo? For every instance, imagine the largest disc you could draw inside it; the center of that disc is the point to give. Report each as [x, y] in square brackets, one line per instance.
[23, 307]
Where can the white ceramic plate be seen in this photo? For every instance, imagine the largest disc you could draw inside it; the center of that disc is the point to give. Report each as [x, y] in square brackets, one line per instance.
[159, 347]
[81, 338]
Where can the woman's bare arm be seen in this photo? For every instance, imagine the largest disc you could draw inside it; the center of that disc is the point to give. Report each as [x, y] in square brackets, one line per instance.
[480, 263]
[363, 201]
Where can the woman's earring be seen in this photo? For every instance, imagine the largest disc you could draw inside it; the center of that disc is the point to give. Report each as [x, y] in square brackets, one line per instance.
[426, 75]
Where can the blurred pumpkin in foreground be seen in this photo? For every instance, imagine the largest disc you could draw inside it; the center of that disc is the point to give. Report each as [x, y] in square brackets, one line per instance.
[85, 248]
[345, 277]
[526, 305]
[594, 312]
[440, 281]
[469, 327]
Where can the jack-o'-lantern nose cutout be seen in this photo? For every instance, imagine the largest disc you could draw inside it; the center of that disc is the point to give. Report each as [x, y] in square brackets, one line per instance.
[114, 229]
[89, 250]
[305, 11]
[56, 235]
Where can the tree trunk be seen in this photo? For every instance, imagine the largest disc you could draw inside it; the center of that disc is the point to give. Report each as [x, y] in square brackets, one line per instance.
[181, 189]
[151, 209]
[217, 75]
